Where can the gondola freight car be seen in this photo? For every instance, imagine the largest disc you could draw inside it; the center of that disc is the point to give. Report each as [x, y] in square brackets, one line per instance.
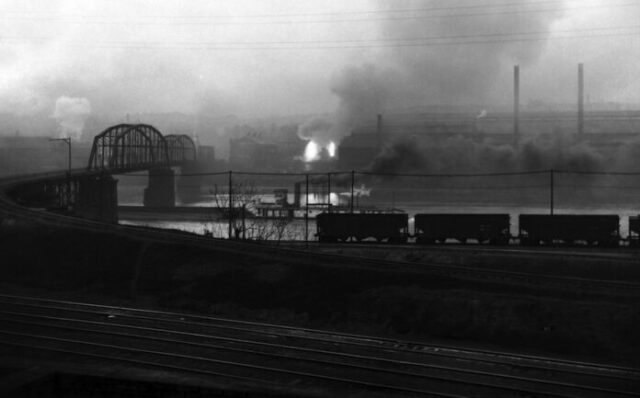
[483, 228]
[601, 230]
[333, 227]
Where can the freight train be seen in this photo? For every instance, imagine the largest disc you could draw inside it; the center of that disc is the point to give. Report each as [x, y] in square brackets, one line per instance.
[534, 229]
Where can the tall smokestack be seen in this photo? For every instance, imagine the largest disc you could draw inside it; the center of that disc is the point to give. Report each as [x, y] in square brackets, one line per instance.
[516, 99]
[379, 130]
[580, 99]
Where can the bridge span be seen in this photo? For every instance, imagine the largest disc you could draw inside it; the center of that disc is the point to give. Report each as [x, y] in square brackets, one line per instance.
[91, 192]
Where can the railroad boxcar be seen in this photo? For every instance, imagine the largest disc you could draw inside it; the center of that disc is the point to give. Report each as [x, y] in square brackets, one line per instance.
[603, 230]
[333, 227]
[491, 228]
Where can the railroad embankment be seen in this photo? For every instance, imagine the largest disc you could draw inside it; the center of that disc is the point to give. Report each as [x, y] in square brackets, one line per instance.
[306, 291]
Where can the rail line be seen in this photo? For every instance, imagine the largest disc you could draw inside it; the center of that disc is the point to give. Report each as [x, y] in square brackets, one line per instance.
[279, 330]
[620, 254]
[593, 287]
[197, 344]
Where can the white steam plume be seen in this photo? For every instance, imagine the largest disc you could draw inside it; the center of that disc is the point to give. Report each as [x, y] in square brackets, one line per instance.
[71, 114]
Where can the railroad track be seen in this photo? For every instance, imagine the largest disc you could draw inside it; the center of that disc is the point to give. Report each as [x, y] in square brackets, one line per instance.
[298, 361]
[622, 254]
[582, 286]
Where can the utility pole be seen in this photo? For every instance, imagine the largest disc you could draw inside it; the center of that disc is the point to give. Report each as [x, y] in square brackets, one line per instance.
[306, 213]
[230, 204]
[516, 100]
[67, 140]
[551, 183]
[329, 191]
[580, 100]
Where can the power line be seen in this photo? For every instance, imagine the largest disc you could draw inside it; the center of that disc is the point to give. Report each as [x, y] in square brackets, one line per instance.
[418, 175]
[136, 21]
[318, 14]
[325, 44]
[366, 41]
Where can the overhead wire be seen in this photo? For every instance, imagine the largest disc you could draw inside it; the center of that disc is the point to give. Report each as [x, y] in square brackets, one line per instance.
[366, 41]
[310, 14]
[136, 20]
[491, 38]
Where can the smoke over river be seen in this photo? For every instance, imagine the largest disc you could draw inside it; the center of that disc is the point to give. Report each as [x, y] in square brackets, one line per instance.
[464, 155]
[329, 67]
[427, 70]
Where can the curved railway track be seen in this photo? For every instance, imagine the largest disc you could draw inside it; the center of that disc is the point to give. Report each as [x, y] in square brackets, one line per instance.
[273, 356]
[582, 286]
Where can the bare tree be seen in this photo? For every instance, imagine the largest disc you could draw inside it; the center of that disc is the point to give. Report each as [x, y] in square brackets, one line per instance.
[238, 209]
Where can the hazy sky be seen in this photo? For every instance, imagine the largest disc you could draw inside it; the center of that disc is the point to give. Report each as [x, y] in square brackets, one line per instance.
[261, 58]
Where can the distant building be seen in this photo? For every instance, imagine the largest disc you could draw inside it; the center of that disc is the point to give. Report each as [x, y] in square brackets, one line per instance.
[601, 128]
[259, 152]
[248, 153]
[22, 155]
[206, 153]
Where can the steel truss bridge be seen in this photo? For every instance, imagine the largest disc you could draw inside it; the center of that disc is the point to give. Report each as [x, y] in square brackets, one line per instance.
[91, 192]
[130, 147]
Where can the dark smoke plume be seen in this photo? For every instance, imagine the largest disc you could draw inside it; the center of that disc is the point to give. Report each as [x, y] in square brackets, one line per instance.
[403, 156]
[463, 155]
[363, 92]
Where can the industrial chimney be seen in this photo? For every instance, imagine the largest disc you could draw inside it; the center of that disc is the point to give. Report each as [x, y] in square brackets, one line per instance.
[516, 100]
[379, 130]
[580, 99]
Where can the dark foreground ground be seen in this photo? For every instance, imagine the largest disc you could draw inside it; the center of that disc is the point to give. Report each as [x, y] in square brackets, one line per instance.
[405, 304]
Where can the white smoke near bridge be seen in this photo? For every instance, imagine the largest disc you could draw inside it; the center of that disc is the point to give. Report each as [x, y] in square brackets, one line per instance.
[71, 114]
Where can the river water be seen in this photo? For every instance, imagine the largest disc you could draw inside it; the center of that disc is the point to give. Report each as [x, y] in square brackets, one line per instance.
[298, 229]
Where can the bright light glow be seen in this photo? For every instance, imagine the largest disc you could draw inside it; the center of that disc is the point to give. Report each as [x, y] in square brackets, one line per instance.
[331, 148]
[311, 152]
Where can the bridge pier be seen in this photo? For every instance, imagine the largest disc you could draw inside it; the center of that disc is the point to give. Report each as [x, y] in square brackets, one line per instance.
[97, 198]
[189, 188]
[161, 191]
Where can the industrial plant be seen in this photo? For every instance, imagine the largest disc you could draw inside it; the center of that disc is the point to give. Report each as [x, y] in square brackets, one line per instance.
[297, 198]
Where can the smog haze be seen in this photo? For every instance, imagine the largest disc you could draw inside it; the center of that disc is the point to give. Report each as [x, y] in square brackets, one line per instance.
[332, 65]
[262, 58]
